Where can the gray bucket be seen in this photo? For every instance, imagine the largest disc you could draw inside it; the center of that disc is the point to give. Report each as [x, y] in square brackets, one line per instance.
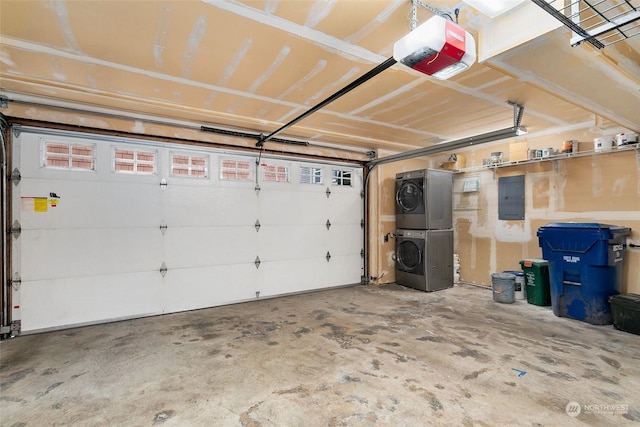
[503, 285]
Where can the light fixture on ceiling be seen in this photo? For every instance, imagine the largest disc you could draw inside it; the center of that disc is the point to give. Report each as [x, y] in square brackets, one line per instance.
[438, 47]
[493, 8]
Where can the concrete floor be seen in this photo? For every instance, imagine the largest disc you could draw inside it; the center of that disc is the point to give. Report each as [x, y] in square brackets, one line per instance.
[360, 356]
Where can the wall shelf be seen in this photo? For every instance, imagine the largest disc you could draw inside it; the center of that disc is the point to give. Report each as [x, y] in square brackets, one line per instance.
[554, 158]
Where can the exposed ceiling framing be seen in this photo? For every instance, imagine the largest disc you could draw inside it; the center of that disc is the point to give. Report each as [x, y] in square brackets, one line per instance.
[254, 65]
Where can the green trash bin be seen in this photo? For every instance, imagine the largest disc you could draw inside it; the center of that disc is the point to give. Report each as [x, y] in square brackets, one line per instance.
[536, 279]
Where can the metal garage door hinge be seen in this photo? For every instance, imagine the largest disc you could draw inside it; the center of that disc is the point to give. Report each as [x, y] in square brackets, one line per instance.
[17, 129]
[328, 257]
[257, 188]
[163, 269]
[15, 229]
[15, 176]
[257, 225]
[328, 224]
[362, 223]
[15, 282]
[362, 253]
[163, 228]
[163, 184]
[328, 192]
[257, 262]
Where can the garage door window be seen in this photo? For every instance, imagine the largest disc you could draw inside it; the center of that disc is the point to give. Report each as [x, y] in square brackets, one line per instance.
[190, 165]
[309, 175]
[235, 170]
[341, 177]
[275, 173]
[60, 155]
[133, 161]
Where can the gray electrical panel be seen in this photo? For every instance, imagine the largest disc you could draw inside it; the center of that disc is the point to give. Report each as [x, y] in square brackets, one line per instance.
[511, 198]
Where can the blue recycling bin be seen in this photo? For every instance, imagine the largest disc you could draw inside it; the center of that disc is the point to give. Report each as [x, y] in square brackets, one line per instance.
[585, 268]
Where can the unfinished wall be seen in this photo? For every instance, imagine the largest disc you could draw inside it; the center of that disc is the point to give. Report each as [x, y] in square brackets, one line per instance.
[382, 219]
[585, 187]
[593, 187]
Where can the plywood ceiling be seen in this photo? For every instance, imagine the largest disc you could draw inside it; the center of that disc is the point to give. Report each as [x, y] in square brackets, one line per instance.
[254, 65]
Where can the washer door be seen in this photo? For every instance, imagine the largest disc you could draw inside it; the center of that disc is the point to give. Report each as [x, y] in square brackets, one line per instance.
[409, 256]
[409, 197]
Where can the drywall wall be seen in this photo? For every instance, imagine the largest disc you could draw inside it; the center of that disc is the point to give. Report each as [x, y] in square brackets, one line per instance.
[593, 187]
[583, 187]
[382, 221]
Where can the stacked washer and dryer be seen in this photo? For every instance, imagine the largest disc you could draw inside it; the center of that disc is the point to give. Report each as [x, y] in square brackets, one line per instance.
[424, 236]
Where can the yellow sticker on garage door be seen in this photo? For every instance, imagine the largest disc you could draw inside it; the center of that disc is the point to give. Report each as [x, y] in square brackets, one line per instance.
[40, 204]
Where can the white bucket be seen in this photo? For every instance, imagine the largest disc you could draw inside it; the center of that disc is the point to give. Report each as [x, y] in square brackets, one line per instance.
[603, 143]
[520, 289]
[626, 138]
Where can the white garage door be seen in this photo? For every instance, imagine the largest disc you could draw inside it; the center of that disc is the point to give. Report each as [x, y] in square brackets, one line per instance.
[114, 228]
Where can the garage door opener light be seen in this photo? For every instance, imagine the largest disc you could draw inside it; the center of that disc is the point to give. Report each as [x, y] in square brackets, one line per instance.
[439, 48]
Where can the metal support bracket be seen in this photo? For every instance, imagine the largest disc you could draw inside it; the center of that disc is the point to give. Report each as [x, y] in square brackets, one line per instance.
[163, 269]
[414, 11]
[15, 176]
[15, 229]
[518, 111]
[15, 282]
[16, 326]
[16, 129]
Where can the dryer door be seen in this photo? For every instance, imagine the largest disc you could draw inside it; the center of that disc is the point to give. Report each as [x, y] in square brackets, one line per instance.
[409, 197]
[410, 256]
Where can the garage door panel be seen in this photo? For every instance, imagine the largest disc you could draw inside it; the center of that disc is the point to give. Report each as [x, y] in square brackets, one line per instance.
[345, 239]
[209, 246]
[97, 254]
[292, 242]
[290, 276]
[297, 207]
[206, 206]
[193, 288]
[75, 301]
[55, 254]
[342, 271]
[345, 208]
[89, 204]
